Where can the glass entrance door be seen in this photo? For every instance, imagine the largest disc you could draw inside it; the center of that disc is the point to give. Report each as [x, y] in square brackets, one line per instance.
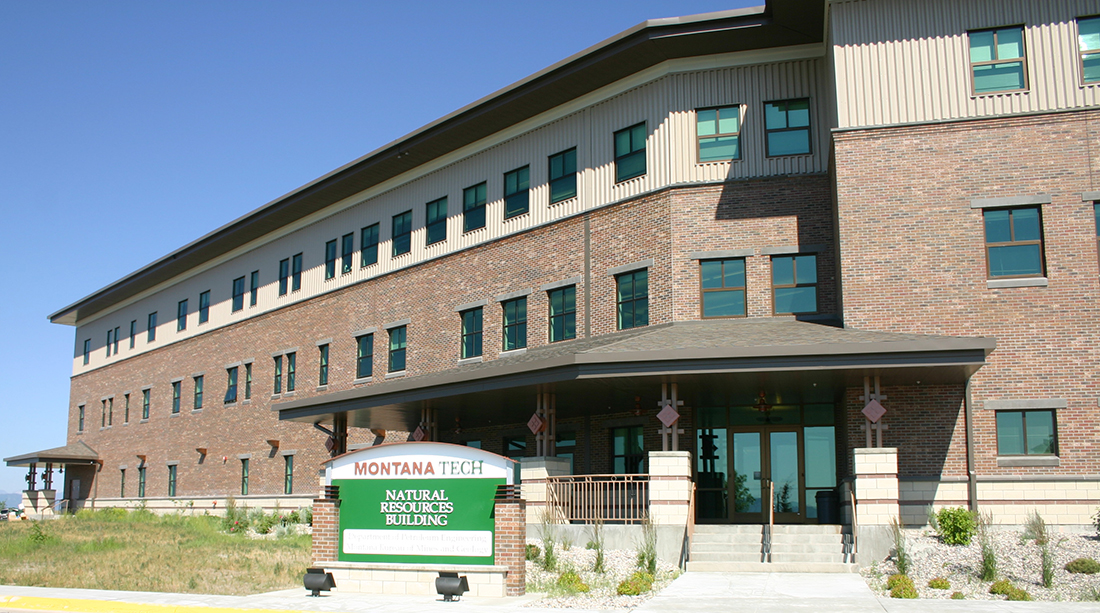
[764, 458]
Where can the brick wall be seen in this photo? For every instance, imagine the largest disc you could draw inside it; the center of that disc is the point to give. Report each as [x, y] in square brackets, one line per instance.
[510, 546]
[326, 531]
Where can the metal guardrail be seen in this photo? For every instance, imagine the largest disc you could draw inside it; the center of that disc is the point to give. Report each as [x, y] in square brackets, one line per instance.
[586, 499]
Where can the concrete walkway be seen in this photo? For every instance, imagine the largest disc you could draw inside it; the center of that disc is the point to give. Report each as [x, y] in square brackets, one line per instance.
[692, 593]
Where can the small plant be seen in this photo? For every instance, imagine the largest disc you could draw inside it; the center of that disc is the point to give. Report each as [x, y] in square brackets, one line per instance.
[39, 535]
[1018, 594]
[902, 587]
[958, 596]
[989, 553]
[932, 523]
[597, 544]
[939, 583]
[1086, 566]
[956, 525]
[566, 541]
[901, 548]
[1091, 595]
[571, 583]
[548, 533]
[893, 580]
[1001, 587]
[532, 552]
[1036, 530]
[647, 549]
[638, 583]
[1096, 521]
[306, 515]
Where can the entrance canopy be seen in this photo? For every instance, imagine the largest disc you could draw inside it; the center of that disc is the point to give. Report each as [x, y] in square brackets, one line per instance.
[608, 370]
[75, 454]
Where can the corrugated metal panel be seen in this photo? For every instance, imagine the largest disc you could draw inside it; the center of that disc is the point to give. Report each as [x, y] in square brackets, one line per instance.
[899, 61]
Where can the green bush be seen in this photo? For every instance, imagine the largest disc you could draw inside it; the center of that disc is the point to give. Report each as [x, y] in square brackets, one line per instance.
[590, 545]
[638, 583]
[1001, 587]
[571, 582]
[893, 580]
[1086, 566]
[1018, 594]
[939, 583]
[904, 589]
[956, 525]
[958, 596]
[532, 552]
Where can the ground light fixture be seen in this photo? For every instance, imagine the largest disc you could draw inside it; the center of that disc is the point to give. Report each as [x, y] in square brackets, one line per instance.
[316, 579]
[451, 586]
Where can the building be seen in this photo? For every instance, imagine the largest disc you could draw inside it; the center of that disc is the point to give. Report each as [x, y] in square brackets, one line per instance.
[762, 218]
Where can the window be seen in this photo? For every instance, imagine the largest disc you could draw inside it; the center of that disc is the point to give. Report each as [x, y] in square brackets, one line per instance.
[632, 299]
[1088, 36]
[517, 185]
[473, 207]
[288, 474]
[330, 259]
[181, 316]
[566, 447]
[563, 313]
[204, 307]
[627, 450]
[322, 371]
[141, 482]
[787, 127]
[1096, 217]
[515, 447]
[244, 476]
[110, 411]
[563, 175]
[515, 323]
[172, 481]
[402, 233]
[248, 381]
[284, 276]
[87, 350]
[1014, 242]
[80, 418]
[473, 444]
[722, 283]
[364, 356]
[198, 392]
[296, 272]
[110, 336]
[238, 294]
[719, 133]
[278, 374]
[368, 245]
[1026, 433]
[397, 349]
[794, 284]
[471, 333]
[290, 368]
[176, 385]
[630, 153]
[116, 339]
[145, 404]
[122, 483]
[347, 248]
[126, 410]
[997, 60]
[103, 415]
[253, 288]
[133, 332]
[151, 328]
[436, 221]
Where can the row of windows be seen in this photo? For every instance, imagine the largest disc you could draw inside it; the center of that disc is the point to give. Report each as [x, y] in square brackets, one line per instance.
[288, 478]
[998, 58]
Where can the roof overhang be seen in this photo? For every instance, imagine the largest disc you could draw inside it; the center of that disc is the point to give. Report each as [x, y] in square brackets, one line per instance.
[780, 23]
[75, 454]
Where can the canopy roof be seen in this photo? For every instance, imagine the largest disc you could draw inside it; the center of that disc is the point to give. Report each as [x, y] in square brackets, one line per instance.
[74, 453]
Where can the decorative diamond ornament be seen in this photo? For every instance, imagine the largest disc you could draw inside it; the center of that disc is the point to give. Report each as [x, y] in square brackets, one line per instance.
[418, 434]
[874, 411]
[536, 424]
[668, 415]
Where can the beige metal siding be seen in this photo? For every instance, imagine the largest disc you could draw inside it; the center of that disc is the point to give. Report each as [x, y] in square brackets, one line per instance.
[903, 61]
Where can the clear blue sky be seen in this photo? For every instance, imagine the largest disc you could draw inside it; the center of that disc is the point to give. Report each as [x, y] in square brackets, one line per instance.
[128, 129]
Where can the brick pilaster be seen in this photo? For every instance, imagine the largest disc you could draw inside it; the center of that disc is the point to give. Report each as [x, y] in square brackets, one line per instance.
[511, 537]
[326, 530]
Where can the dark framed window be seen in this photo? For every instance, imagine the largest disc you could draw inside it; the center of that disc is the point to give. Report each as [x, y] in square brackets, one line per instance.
[515, 447]
[473, 444]
[238, 294]
[517, 192]
[145, 404]
[364, 356]
[330, 259]
[244, 476]
[126, 409]
[172, 480]
[198, 391]
[397, 349]
[278, 375]
[402, 232]
[87, 350]
[322, 368]
[254, 288]
[632, 299]
[471, 333]
[515, 323]
[133, 332]
[1014, 242]
[248, 381]
[1088, 39]
[627, 451]
[473, 207]
[722, 285]
[176, 389]
[204, 307]
[563, 313]
[1096, 218]
[563, 175]
[347, 249]
[565, 446]
[296, 272]
[1027, 433]
[103, 415]
[231, 385]
[181, 316]
[997, 60]
[110, 411]
[288, 474]
[116, 339]
[110, 338]
[141, 482]
[630, 152]
[80, 418]
[284, 276]
[787, 127]
[794, 284]
[150, 329]
[368, 245]
[435, 216]
[122, 483]
[291, 367]
[718, 131]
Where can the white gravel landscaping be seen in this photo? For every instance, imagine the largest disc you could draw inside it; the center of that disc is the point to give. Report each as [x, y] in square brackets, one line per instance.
[618, 565]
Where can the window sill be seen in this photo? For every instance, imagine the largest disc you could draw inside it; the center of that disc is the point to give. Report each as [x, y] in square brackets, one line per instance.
[396, 374]
[563, 201]
[193, 411]
[1019, 282]
[144, 421]
[289, 394]
[512, 352]
[474, 360]
[230, 405]
[1021, 461]
[977, 95]
[322, 388]
[247, 401]
[363, 380]
[277, 396]
[518, 216]
[472, 230]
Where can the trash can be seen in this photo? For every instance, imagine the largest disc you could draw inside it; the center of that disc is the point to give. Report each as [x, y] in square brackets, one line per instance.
[828, 502]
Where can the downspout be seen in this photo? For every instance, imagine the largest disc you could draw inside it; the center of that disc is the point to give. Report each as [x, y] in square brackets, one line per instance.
[971, 475]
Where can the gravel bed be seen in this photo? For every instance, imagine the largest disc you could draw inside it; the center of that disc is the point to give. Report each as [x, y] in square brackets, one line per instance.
[1017, 561]
[618, 565]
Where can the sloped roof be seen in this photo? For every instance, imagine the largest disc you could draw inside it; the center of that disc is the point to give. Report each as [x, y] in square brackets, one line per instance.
[75, 453]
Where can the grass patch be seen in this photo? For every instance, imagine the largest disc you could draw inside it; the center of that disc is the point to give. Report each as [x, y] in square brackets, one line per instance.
[140, 551]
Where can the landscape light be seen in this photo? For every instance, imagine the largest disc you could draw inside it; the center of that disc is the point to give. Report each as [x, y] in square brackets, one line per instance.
[451, 586]
[316, 579]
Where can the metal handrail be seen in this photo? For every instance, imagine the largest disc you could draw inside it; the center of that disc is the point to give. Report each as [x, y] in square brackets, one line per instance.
[590, 498]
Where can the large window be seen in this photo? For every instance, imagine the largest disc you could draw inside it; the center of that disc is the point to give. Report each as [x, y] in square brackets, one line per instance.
[278, 375]
[87, 350]
[284, 276]
[238, 294]
[172, 481]
[80, 418]
[1026, 433]
[231, 385]
[330, 259]
[198, 391]
[181, 315]
[563, 175]
[126, 409]
[296, 273]
[719, 133]
[141, 482]
[122, 483]
[254, 288]
[471, 333]
[397, 349]
[515, 447]
[288, 474]
[248, 381]
[722, 283]
[1088, 37]
[997, 60]
[110, 336]
[1014, 242]
[145, 404]
[291, 367]
[563, 313]
[347, 249]
[473, 207]
[116, 340]
[176, 385]
[151, 328]
[368, 245]
[204, 307]
[627, 451]
[435, 216]
[402, 233]
[794, 284]
[632, 299]
[364, 356]
[244, 476]
[515, 323]
[517, 191]
[133, 332]
[322, 369]
[630, 152]
[787, 127]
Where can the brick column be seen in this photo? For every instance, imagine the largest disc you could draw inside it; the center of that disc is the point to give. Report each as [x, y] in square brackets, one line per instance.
[533, 474]
[876, 486]
[511, 537]
[669, 487]
[326, 530]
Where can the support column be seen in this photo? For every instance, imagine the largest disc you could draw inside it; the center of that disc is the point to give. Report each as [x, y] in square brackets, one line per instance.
[876, 492]
[533, 476]
[669, 487]
[326, 527]
[340, 433]
[510, 525]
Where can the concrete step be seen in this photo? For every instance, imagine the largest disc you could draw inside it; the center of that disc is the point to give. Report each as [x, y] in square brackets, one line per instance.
[727, 539]
[728, 529]
[805, 548]
[726, 556]
[808, 539]
[794, 558]
[807, 529]
[774, 567]
[720, 547]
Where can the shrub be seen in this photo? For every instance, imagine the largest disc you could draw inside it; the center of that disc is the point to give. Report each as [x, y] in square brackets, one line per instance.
[571, 582]
[903, 588]
[893, 580]
[1018, 594]
[39, 535]
[1001, 587]
[989, 553]
[939, 583]
[638, 583]
[307, 515]
[532, 552]
[956, 525]
[597, 543]
[1086, 566]
[958, 596]
[647, 549]
[901, 548]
